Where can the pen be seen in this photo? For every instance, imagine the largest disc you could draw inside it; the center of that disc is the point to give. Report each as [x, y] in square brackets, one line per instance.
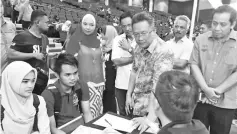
[108, 122]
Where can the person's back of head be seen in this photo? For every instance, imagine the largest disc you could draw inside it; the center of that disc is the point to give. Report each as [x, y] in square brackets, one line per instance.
[177, 95]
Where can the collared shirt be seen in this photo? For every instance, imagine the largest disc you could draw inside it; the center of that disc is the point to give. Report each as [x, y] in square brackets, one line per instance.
[123, 72]
[182, 50]
[149, 64]
[217, 61]
[70, 103]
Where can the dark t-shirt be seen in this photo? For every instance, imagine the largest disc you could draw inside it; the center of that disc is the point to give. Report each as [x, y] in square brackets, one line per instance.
[69, 109]
[196, 127]
[26, 42]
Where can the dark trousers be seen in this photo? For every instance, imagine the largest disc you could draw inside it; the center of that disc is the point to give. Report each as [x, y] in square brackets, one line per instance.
[218, 119]
[109, 101]
[121, 100]
[14, 15]
[235, 117]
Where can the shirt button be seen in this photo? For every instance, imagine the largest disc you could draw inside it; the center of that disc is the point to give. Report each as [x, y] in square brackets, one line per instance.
[217, 53]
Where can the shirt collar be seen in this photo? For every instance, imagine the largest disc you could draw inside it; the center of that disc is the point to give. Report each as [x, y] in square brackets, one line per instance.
[182, 39]
[124, 36]
[152, 47]
[57, 85]
[232, 35]
[4, 22]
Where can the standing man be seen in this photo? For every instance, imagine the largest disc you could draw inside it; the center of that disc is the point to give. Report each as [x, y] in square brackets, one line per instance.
[214, 65]
[151, 58]
[122, 56]
[30, 46]
[181, 46]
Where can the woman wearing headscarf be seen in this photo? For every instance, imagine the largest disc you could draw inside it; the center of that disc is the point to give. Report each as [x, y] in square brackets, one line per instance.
[19, 115]
[107, 34]
[85, 45]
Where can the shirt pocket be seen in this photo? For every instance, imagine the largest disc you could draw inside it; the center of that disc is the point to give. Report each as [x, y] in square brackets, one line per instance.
[230, 60]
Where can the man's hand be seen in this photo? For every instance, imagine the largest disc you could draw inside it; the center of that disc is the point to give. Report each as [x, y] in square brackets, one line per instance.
[39, 56]
[211, 95]
[205, 100]
[129, 104]
[124, 44]
[141, 123]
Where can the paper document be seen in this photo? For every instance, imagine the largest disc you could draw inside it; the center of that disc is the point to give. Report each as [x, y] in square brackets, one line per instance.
[110, 130]
[115, 122]
[87, 130]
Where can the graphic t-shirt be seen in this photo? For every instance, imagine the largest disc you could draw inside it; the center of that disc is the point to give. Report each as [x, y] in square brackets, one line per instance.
[26, 42]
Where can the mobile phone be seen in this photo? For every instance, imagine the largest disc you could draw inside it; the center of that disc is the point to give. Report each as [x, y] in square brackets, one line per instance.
[201, 96]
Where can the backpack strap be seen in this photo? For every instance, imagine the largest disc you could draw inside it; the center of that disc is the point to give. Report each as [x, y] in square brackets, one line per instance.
[58, 103]
[79, 96]
[36, 103]
[2, 115]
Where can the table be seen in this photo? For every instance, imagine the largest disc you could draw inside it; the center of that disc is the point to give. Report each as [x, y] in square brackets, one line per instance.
[90, 124]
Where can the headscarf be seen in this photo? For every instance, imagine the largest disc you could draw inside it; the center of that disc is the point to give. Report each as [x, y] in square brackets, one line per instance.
[110, 33]
[66, 26]
[90, 41]
[12, 78]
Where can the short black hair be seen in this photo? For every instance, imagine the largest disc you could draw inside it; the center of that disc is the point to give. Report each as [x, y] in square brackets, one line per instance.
[207, 23]
[36, 14]
[226, 9]
[177, 93]
[102, 29]
[125, 15]
[63, 59]
[143, 16]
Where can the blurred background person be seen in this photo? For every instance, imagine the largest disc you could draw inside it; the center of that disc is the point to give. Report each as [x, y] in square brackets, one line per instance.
[108, 33]
[205, 27]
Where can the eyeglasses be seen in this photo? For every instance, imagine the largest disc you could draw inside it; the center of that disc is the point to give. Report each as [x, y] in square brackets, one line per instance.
[142, 34]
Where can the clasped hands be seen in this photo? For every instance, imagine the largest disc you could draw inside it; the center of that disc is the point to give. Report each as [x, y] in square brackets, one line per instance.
[212, 96]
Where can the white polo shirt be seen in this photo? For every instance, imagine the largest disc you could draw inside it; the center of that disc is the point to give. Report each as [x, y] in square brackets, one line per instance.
[182, 50]
[123, 72]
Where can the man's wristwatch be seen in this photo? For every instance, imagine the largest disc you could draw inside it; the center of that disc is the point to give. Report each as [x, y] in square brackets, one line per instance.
[130, 50]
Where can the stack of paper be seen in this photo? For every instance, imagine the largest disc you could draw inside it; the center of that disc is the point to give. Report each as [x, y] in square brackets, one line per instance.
[110, 130]
[87, 130]
[115, 122]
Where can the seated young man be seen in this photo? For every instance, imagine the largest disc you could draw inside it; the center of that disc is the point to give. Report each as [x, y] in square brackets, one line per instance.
[177, 95]
[64, 99]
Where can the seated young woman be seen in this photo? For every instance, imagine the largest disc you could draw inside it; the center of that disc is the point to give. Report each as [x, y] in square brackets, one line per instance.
[22, 111]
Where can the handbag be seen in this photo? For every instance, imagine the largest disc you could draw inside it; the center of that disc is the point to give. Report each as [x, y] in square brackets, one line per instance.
[42, 69]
